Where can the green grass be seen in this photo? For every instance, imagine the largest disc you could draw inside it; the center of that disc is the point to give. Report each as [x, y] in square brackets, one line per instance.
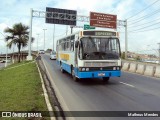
[20, 89]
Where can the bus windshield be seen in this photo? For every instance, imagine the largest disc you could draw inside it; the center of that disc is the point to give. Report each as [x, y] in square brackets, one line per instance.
[92, 48]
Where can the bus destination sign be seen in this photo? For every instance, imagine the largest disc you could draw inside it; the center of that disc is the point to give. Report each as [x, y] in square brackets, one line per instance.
[99, 33]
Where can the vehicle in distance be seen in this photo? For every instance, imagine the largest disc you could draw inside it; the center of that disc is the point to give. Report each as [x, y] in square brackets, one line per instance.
[53, 55]
[41, 52]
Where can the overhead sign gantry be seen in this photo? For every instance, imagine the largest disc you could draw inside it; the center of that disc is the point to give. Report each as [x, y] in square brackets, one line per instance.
[69, 17]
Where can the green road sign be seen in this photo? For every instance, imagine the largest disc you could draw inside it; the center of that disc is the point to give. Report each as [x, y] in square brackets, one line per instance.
[86, 27]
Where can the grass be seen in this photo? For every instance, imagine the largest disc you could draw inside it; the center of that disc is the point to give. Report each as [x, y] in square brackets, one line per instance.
[20, 88]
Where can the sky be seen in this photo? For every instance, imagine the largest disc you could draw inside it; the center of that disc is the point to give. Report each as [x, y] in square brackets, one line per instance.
[143, 21]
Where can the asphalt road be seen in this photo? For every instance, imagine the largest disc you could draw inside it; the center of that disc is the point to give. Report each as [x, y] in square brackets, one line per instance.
[130, 92]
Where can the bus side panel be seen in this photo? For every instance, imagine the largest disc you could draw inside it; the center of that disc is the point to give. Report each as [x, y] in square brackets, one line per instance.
[66, 67]
[66, 63]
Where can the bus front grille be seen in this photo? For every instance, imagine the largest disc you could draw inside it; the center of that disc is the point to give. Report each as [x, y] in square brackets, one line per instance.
[100, 64]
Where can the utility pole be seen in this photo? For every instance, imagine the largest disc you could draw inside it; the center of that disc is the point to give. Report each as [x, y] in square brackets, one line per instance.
[159, 52]
[126, 39]
[44, 38]
[29, 57]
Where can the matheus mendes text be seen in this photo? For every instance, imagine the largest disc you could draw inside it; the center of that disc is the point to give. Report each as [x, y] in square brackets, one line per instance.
[145, 114]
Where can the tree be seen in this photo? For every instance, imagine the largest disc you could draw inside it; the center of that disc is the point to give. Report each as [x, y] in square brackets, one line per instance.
[18, 35]
[123, 55]
[138, 58]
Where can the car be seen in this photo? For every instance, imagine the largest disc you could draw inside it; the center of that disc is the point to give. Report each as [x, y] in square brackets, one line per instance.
[41, 52]
[53, 55]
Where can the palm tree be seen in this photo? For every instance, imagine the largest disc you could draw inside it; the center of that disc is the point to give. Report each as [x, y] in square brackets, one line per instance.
[18, 35]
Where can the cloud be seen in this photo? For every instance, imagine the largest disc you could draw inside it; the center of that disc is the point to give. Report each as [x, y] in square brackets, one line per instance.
[15, 11]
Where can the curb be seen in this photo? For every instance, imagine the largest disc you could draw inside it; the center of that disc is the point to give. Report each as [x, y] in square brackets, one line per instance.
[46, 96]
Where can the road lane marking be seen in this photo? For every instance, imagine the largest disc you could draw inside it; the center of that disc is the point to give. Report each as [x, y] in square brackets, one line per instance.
[57, 91]
[49, 106]
[127, 84]
[60, 98]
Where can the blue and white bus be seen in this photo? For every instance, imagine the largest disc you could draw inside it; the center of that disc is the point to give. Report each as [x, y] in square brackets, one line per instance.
[90, 54]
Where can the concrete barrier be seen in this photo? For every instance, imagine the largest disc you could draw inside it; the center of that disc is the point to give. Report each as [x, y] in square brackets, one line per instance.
[140, 69]
[133, 67]
[157, 71]
[125, 66]
[149, 71]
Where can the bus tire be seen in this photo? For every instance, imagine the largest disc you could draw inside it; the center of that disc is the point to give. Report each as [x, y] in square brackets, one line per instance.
[73, 75]
[62, 70]
[106, 79]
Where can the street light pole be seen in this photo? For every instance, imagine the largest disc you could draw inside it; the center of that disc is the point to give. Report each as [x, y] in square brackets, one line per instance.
[37, 41]
[159, 52]
[6, 54]
[66, 29]
[126, 40]
[29, 57]
[6, 51]
[44, 38]
[53, 36]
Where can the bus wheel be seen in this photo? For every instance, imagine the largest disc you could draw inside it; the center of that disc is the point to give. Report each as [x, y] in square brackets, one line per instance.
[73, 75]
[105, 79]
[61, 68]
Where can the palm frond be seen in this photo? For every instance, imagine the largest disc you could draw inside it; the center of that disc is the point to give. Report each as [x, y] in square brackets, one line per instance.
[18, 35]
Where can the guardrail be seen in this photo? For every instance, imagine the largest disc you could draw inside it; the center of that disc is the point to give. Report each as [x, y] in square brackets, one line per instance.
[147, 69]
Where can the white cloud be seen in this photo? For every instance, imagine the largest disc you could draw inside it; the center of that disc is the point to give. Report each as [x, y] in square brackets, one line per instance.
[15, 11]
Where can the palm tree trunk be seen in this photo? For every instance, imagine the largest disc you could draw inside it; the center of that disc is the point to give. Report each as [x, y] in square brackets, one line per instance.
[19, 52]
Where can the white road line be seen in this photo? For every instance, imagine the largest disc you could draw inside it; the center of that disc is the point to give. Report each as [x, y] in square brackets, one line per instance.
[127, 84]
[46, 95]
[57, 92]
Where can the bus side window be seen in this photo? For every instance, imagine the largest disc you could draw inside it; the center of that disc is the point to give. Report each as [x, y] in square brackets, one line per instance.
[72, 38]
[63, 47]
[72, 46]
[80, 50]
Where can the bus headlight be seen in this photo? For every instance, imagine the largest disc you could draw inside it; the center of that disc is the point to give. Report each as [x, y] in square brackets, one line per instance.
[83, 69]
[87, 69]
[117, 68]
[114, 68]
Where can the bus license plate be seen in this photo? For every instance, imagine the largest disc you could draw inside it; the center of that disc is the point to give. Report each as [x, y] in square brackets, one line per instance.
[101, 74]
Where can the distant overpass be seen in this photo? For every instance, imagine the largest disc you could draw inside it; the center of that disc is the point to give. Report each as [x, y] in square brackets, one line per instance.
[14, 56]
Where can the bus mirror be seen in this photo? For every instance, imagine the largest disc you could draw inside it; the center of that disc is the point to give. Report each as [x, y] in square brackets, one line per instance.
[76, 44]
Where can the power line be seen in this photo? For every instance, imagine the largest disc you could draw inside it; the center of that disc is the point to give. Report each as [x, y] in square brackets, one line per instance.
[144, 17]
[143, 23]
[143, 9]
[146, 26]
[145, 30]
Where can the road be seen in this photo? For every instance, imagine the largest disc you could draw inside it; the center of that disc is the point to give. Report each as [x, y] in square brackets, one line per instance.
[130, 92]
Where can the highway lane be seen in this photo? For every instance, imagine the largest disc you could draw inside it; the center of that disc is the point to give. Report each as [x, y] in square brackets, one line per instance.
[130, 92]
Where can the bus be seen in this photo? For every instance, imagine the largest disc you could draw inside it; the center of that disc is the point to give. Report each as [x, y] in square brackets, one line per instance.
[90, 54]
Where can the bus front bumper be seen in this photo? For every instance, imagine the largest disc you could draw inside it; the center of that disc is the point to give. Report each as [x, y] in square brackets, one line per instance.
[99, 74]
